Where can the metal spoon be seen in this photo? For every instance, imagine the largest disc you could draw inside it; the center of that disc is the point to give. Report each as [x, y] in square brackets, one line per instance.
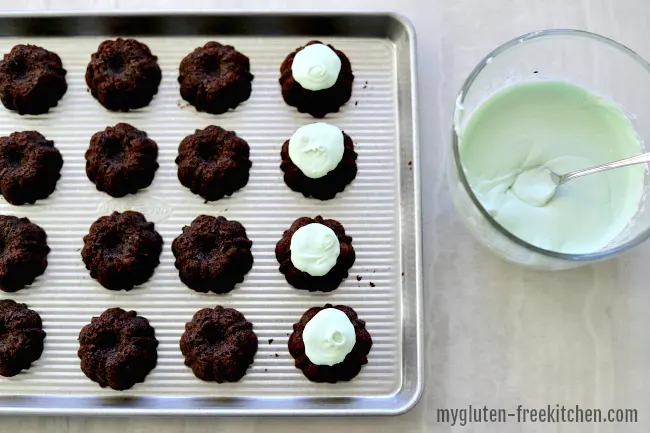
[537, 185]
[564, 178]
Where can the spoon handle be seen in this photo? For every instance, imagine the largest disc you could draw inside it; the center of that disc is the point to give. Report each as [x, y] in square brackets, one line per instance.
[639, 159]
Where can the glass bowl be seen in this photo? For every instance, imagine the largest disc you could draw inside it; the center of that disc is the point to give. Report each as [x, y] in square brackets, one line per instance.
[599, 64]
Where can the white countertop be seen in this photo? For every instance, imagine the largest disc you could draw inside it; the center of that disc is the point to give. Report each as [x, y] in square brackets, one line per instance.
[496, 335]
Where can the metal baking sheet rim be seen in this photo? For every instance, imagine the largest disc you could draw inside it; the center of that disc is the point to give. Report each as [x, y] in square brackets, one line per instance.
[413, 372]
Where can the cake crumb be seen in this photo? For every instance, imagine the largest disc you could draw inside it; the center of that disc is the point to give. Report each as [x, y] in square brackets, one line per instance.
[372, 284]
[359, 277]
[276, 355]
[270, 341]
[356, 103]
[402, 273]
[410, 162]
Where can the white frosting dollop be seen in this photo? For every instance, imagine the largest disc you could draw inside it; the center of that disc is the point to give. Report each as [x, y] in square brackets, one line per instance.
[316, 67]
[314, 249]
[329, 336]
[316, 149]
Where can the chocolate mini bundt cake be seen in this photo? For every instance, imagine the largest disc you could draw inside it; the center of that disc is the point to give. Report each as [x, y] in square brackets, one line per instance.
[30, 167]
[327, 341]
[21, 337]
[311, 263]
[122, 250]
[215, 78]
[316, 79]
[219, 344]
[325, 184]
[23, 252]
[121, 160]
[123, 74]
[32, 79]
[117, 349]
[213, 254]
[213, 162]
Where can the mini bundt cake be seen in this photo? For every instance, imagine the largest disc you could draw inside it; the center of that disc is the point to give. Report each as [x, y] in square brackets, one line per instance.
[219, 344]
[122, 250]
[121, 160]
[23, 252]
[215, 78]
[319, 257]
[339, 344]
[30, 167]
[213, 254]
[123, 74]
[117, 349]
[32, 79]
[213, 162]
[21, 337]
[316, 79]
[319, 182]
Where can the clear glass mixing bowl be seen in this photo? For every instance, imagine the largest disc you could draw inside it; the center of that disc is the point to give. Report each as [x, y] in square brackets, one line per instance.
[599, 64]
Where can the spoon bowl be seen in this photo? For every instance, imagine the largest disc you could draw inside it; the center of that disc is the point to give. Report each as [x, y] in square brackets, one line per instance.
[536, 186]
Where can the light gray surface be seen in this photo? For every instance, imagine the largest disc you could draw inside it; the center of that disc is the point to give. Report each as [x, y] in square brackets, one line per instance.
[497, 335]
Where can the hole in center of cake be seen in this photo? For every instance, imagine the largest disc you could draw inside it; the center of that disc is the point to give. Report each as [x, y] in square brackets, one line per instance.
[106, 340]
[207, 151]
[111, 242]
[207, 245]
[18, 68]
[15, 157]
[114, 149]
[212, 334]
[212, 66]
[116, 64]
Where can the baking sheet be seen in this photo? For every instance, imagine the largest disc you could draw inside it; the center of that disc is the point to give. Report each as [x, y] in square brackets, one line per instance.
[370, 209]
